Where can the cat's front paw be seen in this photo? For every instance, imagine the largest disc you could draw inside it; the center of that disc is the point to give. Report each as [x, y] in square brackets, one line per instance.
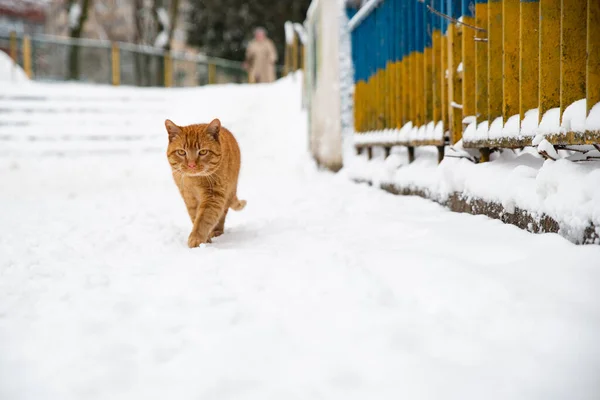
[196, 240]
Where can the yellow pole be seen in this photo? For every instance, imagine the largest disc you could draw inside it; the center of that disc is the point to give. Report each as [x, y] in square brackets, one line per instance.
[295, 53]
[212, 74]
[168, 70]
[116, 64]
[286, 63]
[27, 56]
[13, 46]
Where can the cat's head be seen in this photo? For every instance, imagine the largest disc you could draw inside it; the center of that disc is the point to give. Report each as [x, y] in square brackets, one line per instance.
[195, 149]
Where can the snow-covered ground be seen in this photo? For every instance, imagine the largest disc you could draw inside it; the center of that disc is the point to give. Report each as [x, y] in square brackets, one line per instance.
[319, 289]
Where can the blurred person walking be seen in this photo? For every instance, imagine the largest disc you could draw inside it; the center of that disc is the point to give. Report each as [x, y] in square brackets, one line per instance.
[261, 56]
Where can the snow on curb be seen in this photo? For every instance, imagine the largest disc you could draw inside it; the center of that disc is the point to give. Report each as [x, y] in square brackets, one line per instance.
[565, 191]
[408, 132]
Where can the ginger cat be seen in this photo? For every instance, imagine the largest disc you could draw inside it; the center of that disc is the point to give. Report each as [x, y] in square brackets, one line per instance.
[205, 160]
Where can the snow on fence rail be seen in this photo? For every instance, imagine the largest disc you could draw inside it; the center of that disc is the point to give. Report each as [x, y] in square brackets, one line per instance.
[501, 73]
[45, 57]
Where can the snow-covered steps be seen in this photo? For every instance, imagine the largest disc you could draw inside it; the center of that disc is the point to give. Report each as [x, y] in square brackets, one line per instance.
[81, 119]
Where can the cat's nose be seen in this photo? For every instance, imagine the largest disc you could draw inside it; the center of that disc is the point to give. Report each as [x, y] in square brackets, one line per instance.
[192, 165]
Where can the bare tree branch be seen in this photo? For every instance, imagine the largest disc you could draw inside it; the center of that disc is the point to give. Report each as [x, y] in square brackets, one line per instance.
[449, 18]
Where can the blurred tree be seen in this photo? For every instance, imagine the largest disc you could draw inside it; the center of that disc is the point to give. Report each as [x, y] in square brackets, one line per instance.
[155, 25]
[165, 22]
[78, 14]
[222, 28]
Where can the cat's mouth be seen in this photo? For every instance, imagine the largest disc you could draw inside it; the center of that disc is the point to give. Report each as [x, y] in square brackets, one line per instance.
[195, 172]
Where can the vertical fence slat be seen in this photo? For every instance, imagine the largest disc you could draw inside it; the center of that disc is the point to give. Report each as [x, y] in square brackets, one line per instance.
[363, 84]
[382, 70]
[371, 53]
[392, 88]
[377, 44]
[436, 78]
[481, 61]
[405, 63]
[397, 64]
[444, 68]
[373, 73]
[494, 59]
[365, 75]
[372, 82]
[412, 67]
[573, 52]
[428, 70]
[295, 52]
[510, 62]
[367, 63]
[549, 77]
[387, 87]
[455, 82]
[529, 56]
[468, 59]
[593, 53]
[381, 65]
[419, 64]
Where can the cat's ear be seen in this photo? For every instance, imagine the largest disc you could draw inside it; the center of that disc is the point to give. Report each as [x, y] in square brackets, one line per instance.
[172, 129]
[214, 128]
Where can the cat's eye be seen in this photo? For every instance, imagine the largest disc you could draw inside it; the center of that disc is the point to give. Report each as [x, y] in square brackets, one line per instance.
[181, 152]
[203, 152]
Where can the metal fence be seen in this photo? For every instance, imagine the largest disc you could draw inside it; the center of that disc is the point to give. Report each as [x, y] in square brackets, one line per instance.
[50, 58]
[431, 72]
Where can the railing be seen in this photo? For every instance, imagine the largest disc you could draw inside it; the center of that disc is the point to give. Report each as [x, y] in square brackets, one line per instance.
[51, 58]
[497, 73]
[295, 38]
